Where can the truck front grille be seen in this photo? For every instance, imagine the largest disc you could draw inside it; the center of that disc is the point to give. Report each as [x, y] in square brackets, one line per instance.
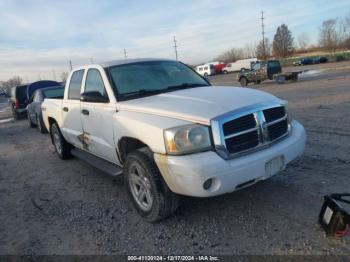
[254, 130]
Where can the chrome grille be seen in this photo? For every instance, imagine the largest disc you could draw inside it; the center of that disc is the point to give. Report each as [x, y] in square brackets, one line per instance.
[240, 133]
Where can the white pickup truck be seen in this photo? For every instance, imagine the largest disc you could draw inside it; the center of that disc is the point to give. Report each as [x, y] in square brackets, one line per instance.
[169, 132]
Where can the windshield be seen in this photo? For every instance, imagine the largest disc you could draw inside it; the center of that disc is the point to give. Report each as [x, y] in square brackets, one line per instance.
[152, 77]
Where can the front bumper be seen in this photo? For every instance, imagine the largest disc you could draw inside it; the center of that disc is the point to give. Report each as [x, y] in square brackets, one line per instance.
[186, 175]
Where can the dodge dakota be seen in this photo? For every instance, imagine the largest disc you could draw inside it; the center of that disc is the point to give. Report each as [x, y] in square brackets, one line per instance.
[169, 132]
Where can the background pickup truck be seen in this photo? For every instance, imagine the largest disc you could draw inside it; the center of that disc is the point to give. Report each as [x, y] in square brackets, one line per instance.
[264, 70]
[169, 132]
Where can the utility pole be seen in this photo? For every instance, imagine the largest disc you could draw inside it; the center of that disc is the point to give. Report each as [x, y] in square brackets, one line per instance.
[263, 33]
[70, 65]
[175, 47]
[125, 54]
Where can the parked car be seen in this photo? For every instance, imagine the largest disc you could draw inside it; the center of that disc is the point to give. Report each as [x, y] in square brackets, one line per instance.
[169, 132]
[34, 113]
[20, 96]
[18, 101]
[239, 65]
[206, 70]
[321, 60]
[304, 61]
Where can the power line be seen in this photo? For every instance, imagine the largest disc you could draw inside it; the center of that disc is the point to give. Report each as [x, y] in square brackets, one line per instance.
[175, 47]
[125, 54]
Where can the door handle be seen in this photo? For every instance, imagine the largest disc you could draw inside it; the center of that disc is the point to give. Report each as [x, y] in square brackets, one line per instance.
[65, 109]
[85, 112]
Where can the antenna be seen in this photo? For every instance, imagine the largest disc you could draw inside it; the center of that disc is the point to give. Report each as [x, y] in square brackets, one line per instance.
[175, 47]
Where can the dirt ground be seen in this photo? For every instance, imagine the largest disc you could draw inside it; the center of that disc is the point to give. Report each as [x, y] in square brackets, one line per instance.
[50, 206]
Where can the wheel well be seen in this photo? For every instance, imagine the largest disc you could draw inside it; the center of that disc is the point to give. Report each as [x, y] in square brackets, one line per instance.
[128, 144]
[51, 121]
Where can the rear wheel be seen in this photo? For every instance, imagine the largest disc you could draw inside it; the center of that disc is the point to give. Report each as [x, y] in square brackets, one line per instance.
[149, 193]
[62, 147]
[243, 81]
[225, 72]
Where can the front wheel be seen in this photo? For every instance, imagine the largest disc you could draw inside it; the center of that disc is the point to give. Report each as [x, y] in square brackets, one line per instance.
[243, 81]
[30, 123]
[225, 72]
[40, 125]
[62, 147]
[147, 190]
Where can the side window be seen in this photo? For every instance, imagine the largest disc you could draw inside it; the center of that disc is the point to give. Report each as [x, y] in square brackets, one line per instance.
[75, 84]
[205, 68]
[257, 66]
[94, 82]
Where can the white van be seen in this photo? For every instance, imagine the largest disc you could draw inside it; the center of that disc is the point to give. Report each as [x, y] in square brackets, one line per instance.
[238, 65]
[206, 70]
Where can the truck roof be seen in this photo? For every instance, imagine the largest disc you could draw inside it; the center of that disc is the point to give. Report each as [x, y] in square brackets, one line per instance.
[129, 61]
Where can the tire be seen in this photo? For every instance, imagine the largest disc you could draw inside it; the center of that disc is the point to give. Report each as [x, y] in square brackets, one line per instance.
[243, 81]
[30, 123]
[62, 147]
[143, 177]
[280, 79]
[40, 126]
[14, 114]
[225, 72]
[205, 74]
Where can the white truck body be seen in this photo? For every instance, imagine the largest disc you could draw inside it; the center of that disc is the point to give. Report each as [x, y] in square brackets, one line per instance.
[147, 118]
[206, 70]
[239, 65]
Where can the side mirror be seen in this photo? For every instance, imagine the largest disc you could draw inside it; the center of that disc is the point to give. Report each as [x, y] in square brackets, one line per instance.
[93, 97]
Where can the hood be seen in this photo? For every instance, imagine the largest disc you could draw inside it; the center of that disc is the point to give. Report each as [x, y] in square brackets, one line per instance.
[199, 105]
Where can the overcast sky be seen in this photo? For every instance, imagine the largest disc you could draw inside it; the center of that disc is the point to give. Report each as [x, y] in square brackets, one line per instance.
[38, 38]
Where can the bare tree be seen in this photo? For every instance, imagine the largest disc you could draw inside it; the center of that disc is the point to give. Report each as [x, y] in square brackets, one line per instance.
[344, 31]
[263, 49]
[329, 35]
[13, 81]
[231, 55]
[303, 41]
[64, 77]
[249, 50]
[282, 45]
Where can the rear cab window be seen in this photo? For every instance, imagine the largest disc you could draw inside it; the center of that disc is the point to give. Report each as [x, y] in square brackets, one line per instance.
[75, 85]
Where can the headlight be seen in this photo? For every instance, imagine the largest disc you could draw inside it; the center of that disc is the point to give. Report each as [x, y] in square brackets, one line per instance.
[286, 106]
[187, 139]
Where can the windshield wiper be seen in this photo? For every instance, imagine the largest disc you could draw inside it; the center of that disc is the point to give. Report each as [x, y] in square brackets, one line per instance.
[184, 86]
[144, 92]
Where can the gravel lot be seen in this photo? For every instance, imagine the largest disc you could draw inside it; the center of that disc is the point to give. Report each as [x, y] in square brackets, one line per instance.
[50, 206]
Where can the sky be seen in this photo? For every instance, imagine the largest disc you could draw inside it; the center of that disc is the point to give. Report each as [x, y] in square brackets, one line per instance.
[38, 38]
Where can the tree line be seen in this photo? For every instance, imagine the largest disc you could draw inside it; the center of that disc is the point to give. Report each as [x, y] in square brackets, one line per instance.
[334, 34]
